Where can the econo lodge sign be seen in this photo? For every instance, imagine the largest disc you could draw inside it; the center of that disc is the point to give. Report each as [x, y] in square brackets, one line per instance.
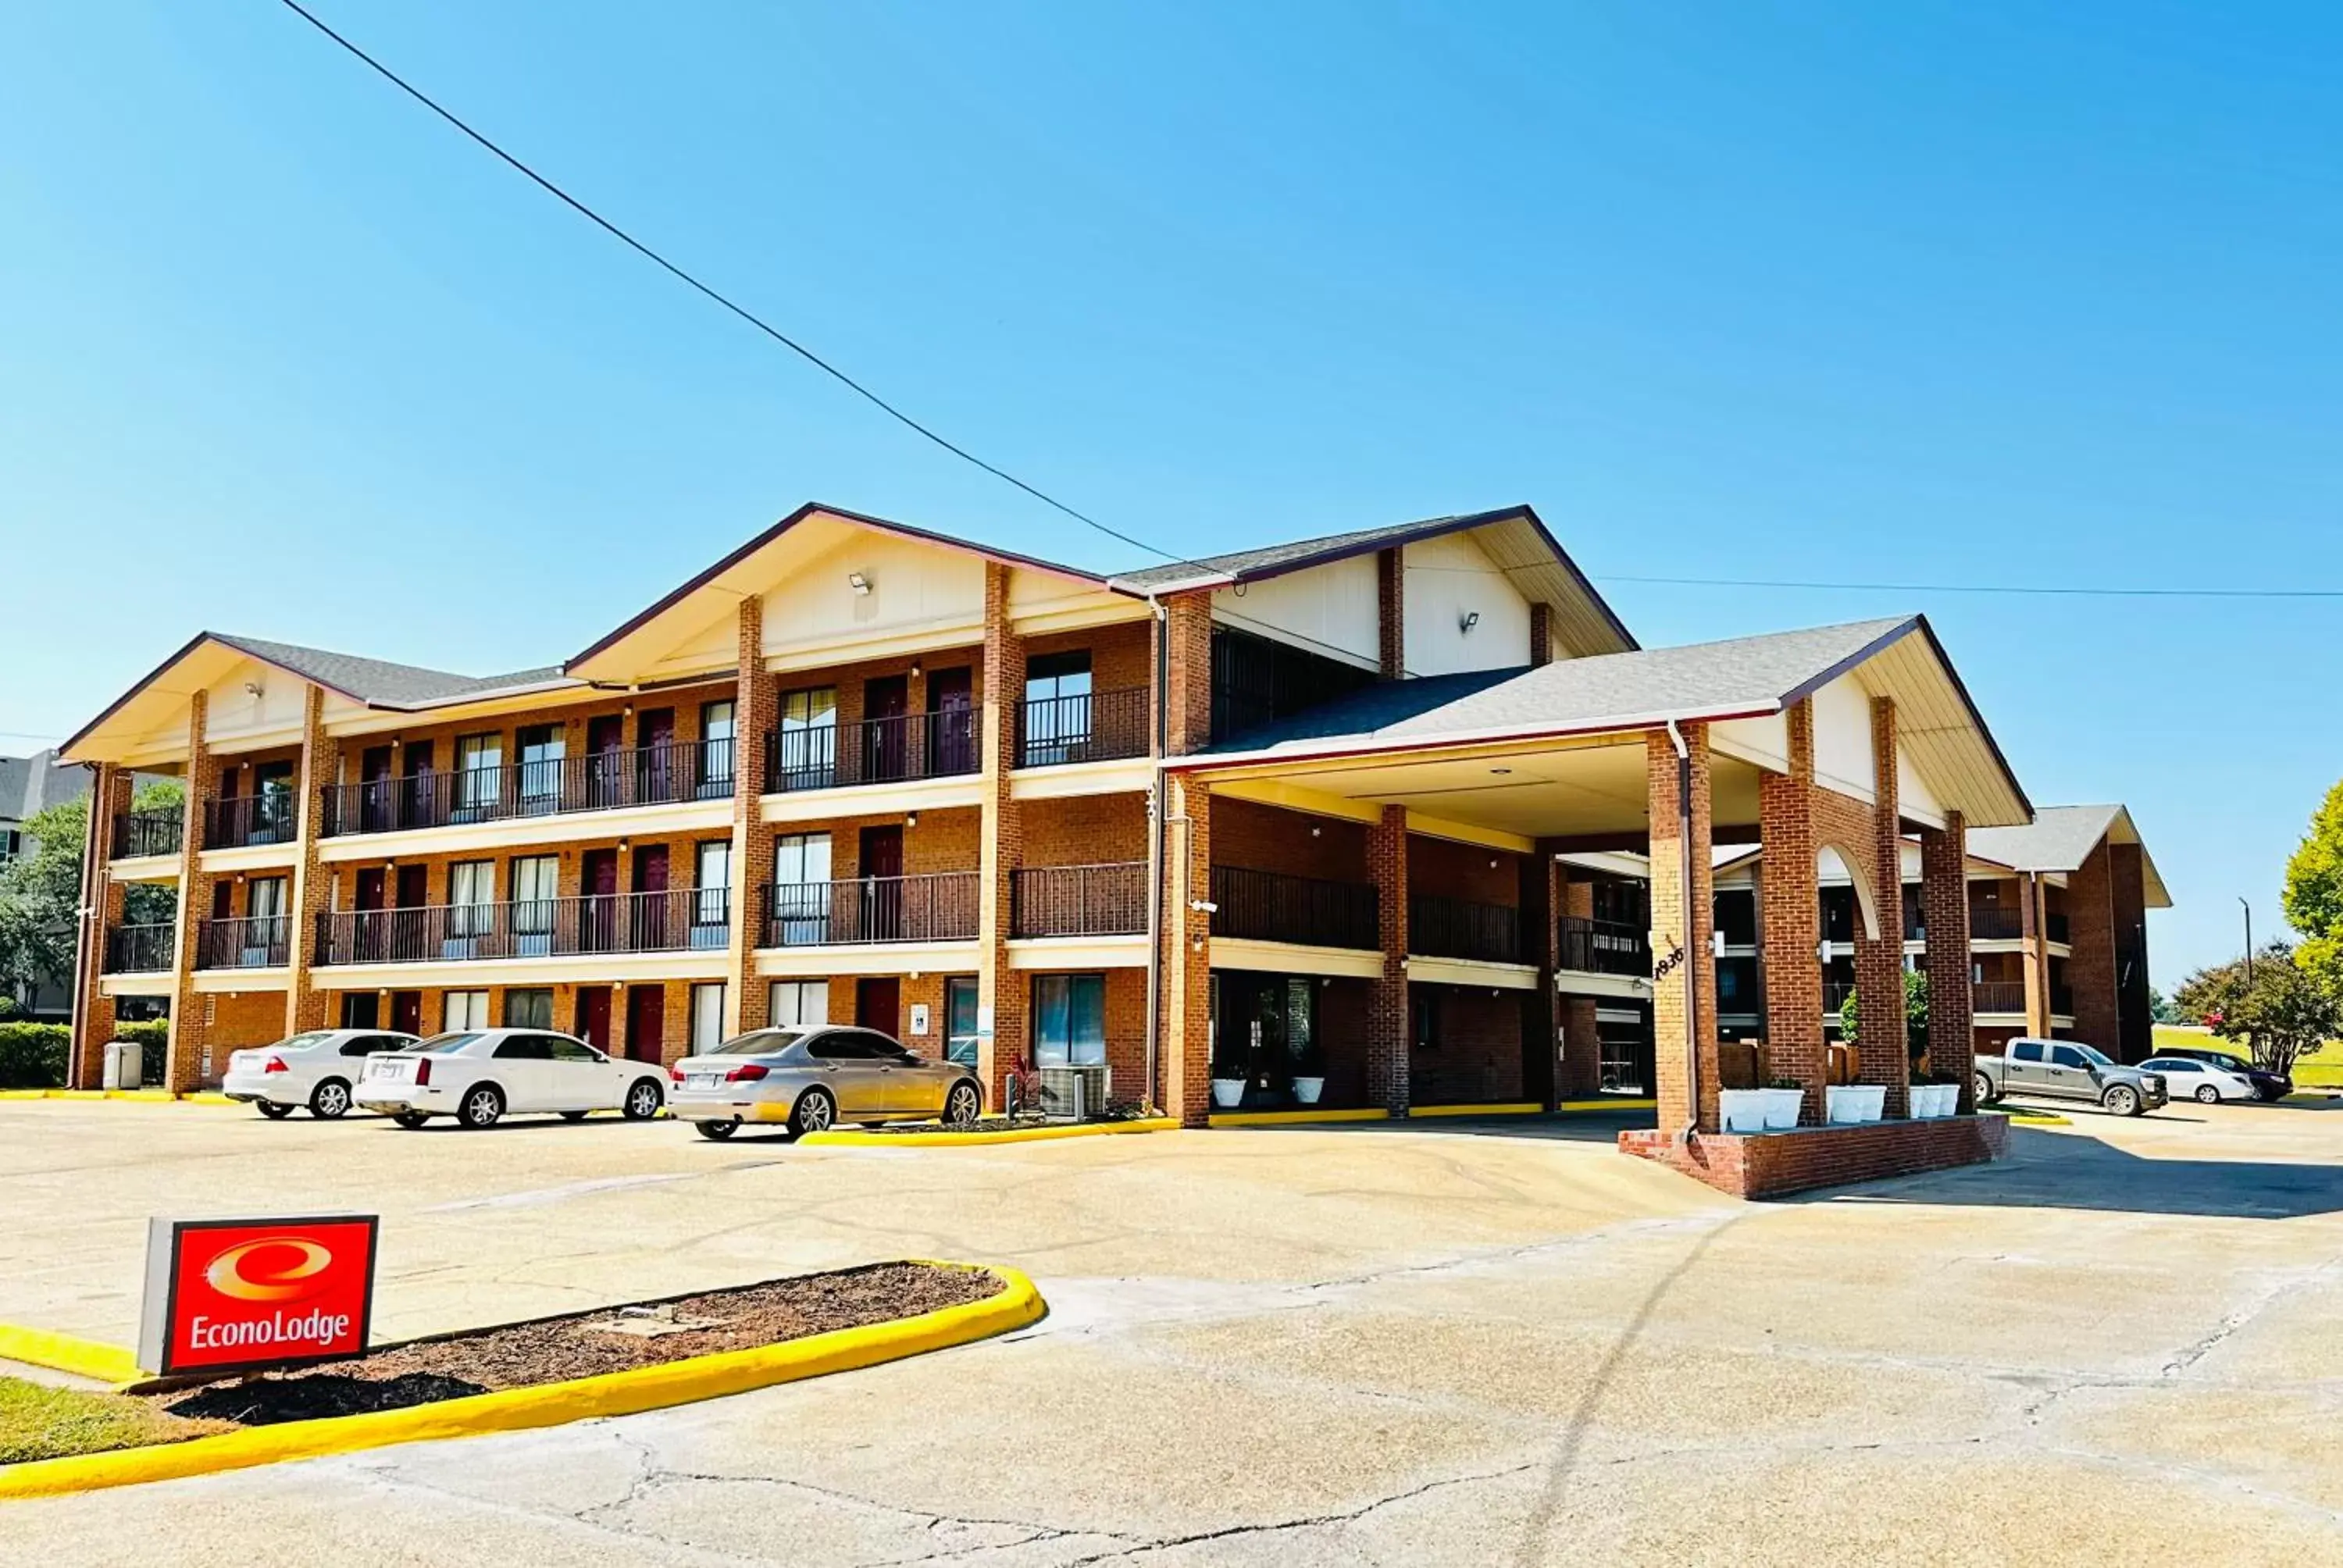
[239, 1295]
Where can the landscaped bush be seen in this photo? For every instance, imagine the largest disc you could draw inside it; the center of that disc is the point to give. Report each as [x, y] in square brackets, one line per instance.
[33, 1055]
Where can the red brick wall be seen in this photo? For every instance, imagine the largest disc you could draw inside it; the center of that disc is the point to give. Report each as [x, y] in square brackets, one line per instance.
[1387, 1019]
[1685, 916]
[1085, 829]
[2091, 943]
[1945, 902]
[1773, 1165]
[1478, 1058]
[1268, 839]
[1441, 867]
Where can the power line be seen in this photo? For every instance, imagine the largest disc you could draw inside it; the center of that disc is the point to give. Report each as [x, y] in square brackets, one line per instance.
[792, 345]
[2061, 590]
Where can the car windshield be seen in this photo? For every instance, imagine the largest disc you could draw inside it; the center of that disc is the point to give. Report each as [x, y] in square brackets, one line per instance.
[445, 1044]
[761, 1043]
[304, 1042]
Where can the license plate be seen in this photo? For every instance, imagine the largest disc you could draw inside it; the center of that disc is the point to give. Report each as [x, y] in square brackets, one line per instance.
[381, 1069]
[699, 1081]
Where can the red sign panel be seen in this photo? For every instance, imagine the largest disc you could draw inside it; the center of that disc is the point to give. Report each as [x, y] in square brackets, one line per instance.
[238, 1295]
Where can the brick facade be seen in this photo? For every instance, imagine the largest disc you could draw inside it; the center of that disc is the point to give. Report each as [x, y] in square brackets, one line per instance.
[1945, 915]
[1776, 1165]
[1002, 996]
[1790, 919]
[2091, 950]
[1682, 920]
[1387, 1008]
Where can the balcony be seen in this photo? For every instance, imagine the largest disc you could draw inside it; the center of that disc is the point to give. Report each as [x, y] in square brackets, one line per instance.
[1104, 901]
[241, 820]
[1605, 947]
[2062, 1000]
[940, 907]
[1271, 906]
[1999, 996]
[876, 751]
[1996, 922]
[596, 781]
[1835, 995]
[674, 919]
[2053, 926]
[257, 942]
[141, 950]
[1091, 727]
[1440, 927]
[155, 831]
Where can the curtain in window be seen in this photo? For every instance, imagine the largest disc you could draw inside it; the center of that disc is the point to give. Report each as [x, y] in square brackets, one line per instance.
[1069, 1020]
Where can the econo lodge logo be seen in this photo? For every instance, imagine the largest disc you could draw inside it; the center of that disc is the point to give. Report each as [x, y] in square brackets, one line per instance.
[265, 1293]
[238, 1274]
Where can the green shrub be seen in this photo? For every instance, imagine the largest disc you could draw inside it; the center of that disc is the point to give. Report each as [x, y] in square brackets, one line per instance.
[152, 1037]
[33, 1055]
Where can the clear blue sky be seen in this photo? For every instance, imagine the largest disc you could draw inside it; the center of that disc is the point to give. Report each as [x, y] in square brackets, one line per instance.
[1921, 292]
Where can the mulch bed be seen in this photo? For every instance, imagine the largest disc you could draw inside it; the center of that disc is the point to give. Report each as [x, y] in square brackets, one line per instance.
[586, 1345]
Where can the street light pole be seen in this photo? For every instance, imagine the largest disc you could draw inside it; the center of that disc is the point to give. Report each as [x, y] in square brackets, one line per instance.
[2249, 940]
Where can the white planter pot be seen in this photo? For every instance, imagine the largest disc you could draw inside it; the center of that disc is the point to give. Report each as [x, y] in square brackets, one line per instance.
[1932, 1101]
[1228, 1092]
[1306, 1090]
[1782, 1107]
[1854, 1103]
[1742, 1109]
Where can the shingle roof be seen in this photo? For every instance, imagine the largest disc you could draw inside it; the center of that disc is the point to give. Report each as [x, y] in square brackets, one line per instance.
[380, 681]
[1268, 560]
[2059, 838]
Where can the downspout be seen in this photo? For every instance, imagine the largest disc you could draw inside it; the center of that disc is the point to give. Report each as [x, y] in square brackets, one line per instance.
[1156, 807]
[1692, 960]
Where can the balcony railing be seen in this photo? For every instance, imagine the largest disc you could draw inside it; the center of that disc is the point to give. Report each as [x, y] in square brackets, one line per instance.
[1835, 995]
[141, 950]
[1104, 900]
[673, 919]
[594, 781]
[1272, 906]
[255, 942]
[242, 819]
[1440, 927]
[1093, 727]
[1605, 947]
[1997, 922]
[939, 906]
[1999, 996]
[875, 751]
[158, 830]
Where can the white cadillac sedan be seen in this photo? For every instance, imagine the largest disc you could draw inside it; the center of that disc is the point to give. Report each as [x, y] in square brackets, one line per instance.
[317, 1070]
[2200, 1079]
[479, 1076]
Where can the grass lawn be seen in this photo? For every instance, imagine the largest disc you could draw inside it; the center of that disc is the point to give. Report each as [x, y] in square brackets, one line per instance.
[2323, 1068]
[37, 1422]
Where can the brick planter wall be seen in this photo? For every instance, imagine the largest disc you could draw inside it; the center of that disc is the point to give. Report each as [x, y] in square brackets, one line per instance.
[1775, 1165]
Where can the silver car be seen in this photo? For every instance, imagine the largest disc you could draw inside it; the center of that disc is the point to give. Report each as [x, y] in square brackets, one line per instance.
[813, 1078]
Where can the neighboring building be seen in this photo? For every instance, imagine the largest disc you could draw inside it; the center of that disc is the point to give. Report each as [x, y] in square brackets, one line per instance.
[1285, 817]
[28, 785]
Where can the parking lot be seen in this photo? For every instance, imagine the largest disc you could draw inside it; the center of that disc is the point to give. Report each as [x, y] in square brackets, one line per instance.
[1481, 1342]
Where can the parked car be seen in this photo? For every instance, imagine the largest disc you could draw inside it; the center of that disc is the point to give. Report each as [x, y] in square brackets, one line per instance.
[478, 1076]
[2201, 1080]
[317, 1069]
[2266, 1085]
[2067, 1069]
[810, 1079]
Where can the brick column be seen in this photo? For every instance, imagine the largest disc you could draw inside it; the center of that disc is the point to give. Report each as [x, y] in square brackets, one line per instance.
[1581, 1069]
[1682, 920]
[311, 893]
[1387, 1019]
[1790, 901]
[1390, 612]
[1000, 993]
[182, 1062]
[1188, 626]
[2091, 953]
[756, 708]
[1945, 907]
[1881, 1054]
[99, 912]
[2035, 958]
[1541, 878]
[1541, 633]
[1185, 1016]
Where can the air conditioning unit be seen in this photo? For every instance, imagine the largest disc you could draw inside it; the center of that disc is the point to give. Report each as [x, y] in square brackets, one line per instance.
[1073, 1093]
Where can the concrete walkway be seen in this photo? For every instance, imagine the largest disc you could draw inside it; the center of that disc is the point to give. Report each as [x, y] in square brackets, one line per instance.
[1497, 1343]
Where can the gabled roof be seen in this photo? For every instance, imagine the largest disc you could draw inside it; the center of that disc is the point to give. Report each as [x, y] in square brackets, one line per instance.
[2061, 837]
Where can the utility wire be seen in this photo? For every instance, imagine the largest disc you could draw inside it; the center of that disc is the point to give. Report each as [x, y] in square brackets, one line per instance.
[1981, 588]
[786, 341]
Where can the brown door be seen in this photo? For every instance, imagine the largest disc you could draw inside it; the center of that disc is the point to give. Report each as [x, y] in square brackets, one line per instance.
[881, 885]
[376, 794]
[370, 888]
[222, 898]
[657, 777]
[419, 801]
[404, 938]
[605, 774]
[361, 1009]
[951, 722]
[597, 921]
[886, 749]
[594, 1016]
[369, 924]
[646, 1021]
[407, 1011]
[646, 922]
[879, 1004]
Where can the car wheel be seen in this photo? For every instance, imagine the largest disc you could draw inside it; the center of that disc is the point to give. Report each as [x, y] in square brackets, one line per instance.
[644, 1099]
[1981, 1089]
[329, 1099]
[411, 1120]
[2207, 1095]
[271, 1110]
[961, 1104]
[2122, 1101]
[814, 1113]
[718, 1130]
[483, 1106]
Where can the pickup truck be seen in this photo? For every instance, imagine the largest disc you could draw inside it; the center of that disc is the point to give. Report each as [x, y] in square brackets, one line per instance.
[2067, 1069]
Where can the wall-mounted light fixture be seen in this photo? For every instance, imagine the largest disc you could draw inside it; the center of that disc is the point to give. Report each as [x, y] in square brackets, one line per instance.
[622, 845]
[252, 689]
[1468, 621]
[857, 582]
[911, 818]
[915, 669]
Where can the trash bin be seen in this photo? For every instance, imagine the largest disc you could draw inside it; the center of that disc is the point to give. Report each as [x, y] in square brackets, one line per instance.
[125, 1064]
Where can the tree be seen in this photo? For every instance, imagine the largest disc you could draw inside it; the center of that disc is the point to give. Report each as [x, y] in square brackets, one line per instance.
[1916, 1013]
[2313, 899]
[2282, 1012]
[40, 891]
[2162, 1008]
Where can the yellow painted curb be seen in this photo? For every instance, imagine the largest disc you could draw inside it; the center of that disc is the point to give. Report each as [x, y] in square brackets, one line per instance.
[1515, 1108]
[142, 1095]
[1522, 1108]
[24, 1094]
[858, 1138]
[1622, 1103]
[64, 1352]
[2036, 1119]
[1290, 1118]
[547, 1404]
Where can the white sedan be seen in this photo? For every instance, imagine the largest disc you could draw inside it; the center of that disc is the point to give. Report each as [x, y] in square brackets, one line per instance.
[2199, 1081]
[478, 1076]
[317, 1069]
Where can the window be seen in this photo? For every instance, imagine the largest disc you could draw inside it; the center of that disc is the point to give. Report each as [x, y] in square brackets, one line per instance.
[2067, 1056]
[571, 1050]
[529, 1007]
[535, 880]
[2173, 1064]
[266, 901]
[464, 1009]
[796, 1002]
[525, 1047]
[1069, 1020]
[960, 1020]
[717, 722]
[801, 889]
[842, 1045]
[2025, 1051]
[1057, 707]
[480, 774]
[1423, 1019]
[273, 812]
[365, 1044]
[758, 1042]
[711, 896]
[538, 748]
[707, 1016]
[471, 890]
[806, 740]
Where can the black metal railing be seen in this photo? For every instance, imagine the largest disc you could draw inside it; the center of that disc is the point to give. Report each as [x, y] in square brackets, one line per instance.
[1440, 928]
[674, 919]
[1999, 996]
[141, 950]
[937, 907]
[238, 820]
[875, 751]
[1270, 906]
[255, 942]
[157, 830]
[1604, 946]
[1996, 922]
[1835, 995]
[594, 781]
[1102, 900]
[1093, 727]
